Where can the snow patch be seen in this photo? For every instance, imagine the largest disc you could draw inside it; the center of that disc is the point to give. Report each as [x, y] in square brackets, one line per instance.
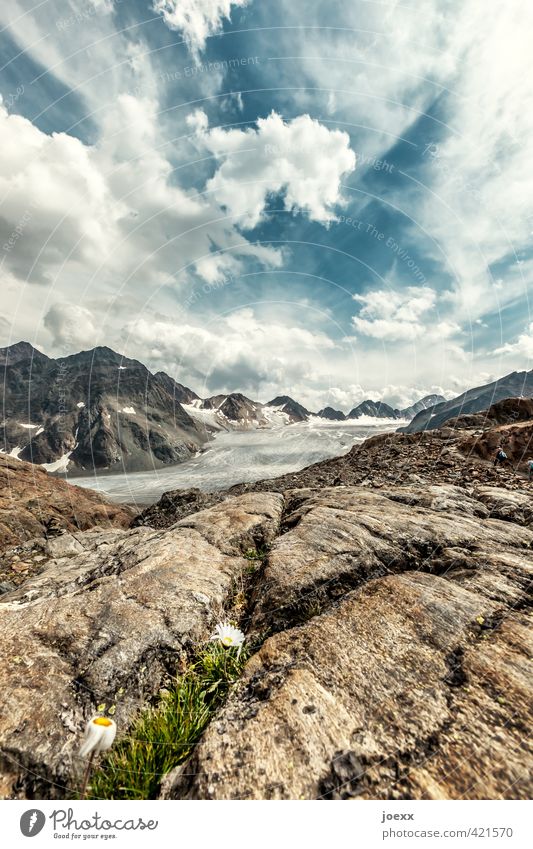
[14, 452]
[206, 417]
[80, 404]
[129, 410]
[374, 420]
[27, 426]
[60, 465]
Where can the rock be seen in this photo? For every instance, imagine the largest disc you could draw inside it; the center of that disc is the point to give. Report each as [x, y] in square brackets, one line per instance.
[505, 504]
[409, 686]
[340, 537]
[65, 545]
[118, 616]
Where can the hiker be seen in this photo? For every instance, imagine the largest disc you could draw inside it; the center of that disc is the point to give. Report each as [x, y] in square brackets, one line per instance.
[501, 457]
[529, 469]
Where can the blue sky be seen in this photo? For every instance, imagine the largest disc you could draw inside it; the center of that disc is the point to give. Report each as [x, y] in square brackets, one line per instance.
[329, 200]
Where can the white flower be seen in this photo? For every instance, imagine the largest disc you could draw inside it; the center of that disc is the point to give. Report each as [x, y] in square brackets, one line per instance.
[228, 636]
[99, 734]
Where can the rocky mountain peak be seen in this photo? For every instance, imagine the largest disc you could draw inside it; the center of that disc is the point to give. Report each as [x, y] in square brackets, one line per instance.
[331, 414]
[19, 351]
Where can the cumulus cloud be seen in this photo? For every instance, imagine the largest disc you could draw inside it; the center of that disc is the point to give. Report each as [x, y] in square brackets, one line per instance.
[523, 347]
[401, 316]
[112, 209]
[300, 158]
[72, 327]
[197, 19]
[55, 199]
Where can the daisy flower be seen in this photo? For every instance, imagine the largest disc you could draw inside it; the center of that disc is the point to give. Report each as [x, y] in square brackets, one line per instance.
[228, 636]
[99, 734]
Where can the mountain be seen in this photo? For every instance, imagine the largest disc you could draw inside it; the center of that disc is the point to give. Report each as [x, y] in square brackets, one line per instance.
[514, 385]
[213, 403]
[291, 408]
[227, 412]
[374, 409]
[418, 406]
[331, 414]
[239, 408]
[95, 409]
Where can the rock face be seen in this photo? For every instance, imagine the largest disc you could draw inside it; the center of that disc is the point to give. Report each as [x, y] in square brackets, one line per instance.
[180, 393]
[514, 385]
[108, 625]
[399, 664]
[32, 503]
[95, 409]
[239, 408]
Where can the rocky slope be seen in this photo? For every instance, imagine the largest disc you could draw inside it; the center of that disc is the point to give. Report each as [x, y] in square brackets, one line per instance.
[95, 409]
[398, 666]
[514, 385]
[394, 650]
[35, 509]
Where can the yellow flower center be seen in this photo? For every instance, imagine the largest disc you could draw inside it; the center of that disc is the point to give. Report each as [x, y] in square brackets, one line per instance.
[102, 720]
[227, 641]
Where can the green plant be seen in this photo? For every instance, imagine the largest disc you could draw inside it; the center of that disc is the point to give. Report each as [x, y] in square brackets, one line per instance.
[163, 737]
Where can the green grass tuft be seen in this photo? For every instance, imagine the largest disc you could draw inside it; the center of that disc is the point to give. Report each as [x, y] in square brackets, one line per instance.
[163, 737]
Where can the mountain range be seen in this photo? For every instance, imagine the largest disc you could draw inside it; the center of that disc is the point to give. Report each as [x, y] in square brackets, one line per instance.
[98, 409]
[518, 384]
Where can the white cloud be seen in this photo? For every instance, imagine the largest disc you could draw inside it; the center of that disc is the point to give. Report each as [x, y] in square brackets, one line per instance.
[301, 158]
[523, 347]
[108, 212]
[72, 327]
[54, 195]
[237, 352]
[401, 316]
[197, 19]
[478, 204]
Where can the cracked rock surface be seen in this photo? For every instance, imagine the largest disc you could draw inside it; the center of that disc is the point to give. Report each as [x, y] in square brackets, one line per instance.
[106, 625]
[395, 660]
[400, 663]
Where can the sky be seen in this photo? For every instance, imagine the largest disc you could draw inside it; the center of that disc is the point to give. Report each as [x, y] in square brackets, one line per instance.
[328, 200]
